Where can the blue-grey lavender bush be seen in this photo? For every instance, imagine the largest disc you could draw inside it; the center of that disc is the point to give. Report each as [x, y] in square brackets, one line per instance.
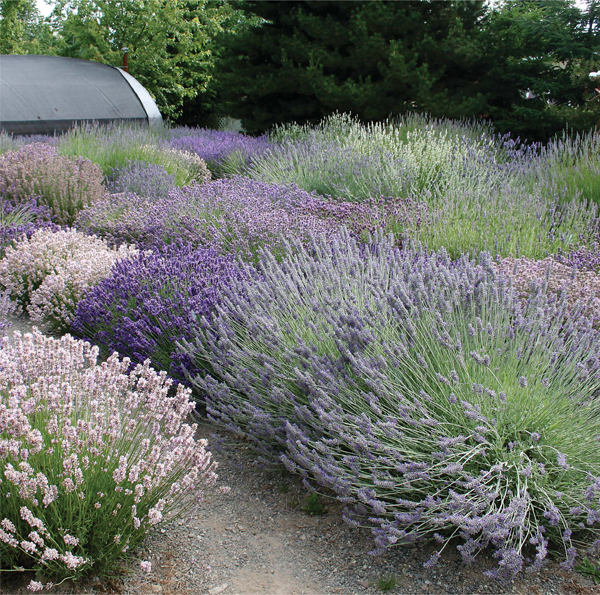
[420, 390]
[144, 179]
[150, 302]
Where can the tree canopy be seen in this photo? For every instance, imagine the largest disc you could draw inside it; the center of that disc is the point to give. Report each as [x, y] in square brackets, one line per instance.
[169, 41]
[307, 59]
[524, 64]
[22, 28]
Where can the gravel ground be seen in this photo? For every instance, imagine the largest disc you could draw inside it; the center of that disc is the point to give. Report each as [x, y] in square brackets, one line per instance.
[256, 539]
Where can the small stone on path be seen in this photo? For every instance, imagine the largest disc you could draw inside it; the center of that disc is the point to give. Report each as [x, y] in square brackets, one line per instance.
[217, 590]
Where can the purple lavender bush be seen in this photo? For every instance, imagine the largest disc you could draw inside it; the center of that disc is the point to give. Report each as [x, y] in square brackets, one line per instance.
[152, 301]
[234, 215]
[421, 391]
[144, 179]
[225, 152]
[582, 258]
[64, 184]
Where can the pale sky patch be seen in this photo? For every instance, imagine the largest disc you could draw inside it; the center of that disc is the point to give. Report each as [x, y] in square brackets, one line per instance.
[45, 9]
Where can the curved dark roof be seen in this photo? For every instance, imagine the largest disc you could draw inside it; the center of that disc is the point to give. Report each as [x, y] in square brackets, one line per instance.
[46, 94]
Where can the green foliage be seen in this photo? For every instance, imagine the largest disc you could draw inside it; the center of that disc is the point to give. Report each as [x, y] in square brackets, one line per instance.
[373, 59]
[313, 506]
[112, 148]
[590, 570]
[169, 43]
[387, 583]
[523, 64]
[546, 47]
[22, 29]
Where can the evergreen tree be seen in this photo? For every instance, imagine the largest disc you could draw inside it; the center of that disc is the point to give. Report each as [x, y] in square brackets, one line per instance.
[374, 59]
[538, 55]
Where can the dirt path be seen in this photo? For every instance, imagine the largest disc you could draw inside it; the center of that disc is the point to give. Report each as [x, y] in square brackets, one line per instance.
[256, 539]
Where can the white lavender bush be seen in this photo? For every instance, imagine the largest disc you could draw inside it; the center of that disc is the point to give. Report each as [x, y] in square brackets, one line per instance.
[49, 273]
[420, 391]
[346, 159]
[92, 457]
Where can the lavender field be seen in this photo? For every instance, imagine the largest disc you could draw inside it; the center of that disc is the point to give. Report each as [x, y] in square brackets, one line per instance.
[405, 314]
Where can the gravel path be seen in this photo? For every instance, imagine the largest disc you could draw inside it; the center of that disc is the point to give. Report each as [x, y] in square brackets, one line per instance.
[256, 539]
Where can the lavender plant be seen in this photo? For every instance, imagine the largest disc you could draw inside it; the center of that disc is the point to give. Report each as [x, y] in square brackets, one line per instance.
[348, 160]
[226, 153]
[571, 162]
[506, 220]
[7, 142]
[483, 193]
[581, 288]
[234, 215]
[37, 172]
[582, 258]
[420, 391]
[143, 179]
[18, 220]
[7, 309]
[113, 146]
[50, 272]
[151, 301]
[93, 457]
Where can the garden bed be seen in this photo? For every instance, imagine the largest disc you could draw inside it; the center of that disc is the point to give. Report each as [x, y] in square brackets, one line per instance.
[402, 315]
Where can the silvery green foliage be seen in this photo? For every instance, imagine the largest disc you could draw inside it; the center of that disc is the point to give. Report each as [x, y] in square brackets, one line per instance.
[346, 159]
[144, 179]
[420, 390]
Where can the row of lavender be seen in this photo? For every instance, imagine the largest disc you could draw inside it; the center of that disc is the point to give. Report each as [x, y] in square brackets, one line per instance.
[414, 383]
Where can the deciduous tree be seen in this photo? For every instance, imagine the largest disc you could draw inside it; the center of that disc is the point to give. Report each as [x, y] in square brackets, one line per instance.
[169, 41]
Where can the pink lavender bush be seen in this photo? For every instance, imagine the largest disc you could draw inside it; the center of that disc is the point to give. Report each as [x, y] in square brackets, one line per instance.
[580, 287]
[7, 308]
[421, 391]
[50, 272]
[64, 184]
[92, 457]
[153, 300]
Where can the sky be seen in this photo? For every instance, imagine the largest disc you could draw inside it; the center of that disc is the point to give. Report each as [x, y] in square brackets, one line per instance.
[44, 8]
